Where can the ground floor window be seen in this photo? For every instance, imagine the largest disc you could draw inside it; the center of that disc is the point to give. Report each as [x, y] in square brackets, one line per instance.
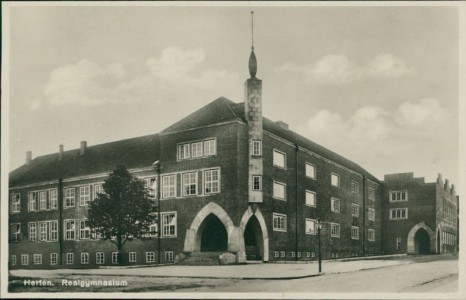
[132, 257]
[310, 226]
[398, 243]
[24, 259]
[299, 254]
[13, 260]
[114, 257]
[282, 253]
[100, 258]
[335, 229]
[69, 258]
[292, 254]
[371, 235]
[37, 259]
[53, 258]
[84, 258]
[354, 232]
[279, 222]
[169, 256]
[308, 254]
[150, 256]
[169, 224]
[276, 254]
[313, 254]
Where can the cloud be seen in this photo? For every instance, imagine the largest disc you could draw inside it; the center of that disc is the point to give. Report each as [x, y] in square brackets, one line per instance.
[175, 73]
[426, 113]
[339, 69]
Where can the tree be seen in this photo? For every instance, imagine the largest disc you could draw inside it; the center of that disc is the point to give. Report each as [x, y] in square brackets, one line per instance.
[124, 211]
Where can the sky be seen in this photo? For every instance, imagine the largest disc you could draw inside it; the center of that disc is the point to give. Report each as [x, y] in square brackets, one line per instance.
[377, 85]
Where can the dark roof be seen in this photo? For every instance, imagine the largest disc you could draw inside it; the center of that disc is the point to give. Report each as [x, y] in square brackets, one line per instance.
[132, 153]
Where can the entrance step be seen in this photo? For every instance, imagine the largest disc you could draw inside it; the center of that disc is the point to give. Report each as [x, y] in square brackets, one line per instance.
[200, 259]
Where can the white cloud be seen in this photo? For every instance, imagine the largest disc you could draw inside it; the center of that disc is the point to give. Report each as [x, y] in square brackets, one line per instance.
[338, 69]
[426, 113]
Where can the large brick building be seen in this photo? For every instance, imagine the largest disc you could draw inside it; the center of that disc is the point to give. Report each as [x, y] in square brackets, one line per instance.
[226, 180]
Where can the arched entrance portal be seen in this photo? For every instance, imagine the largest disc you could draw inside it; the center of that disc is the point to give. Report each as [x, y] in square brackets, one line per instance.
[214, 236]
[253, 239]
[421, 242]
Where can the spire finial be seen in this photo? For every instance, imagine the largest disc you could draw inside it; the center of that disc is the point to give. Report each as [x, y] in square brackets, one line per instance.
[252, 30]
[252, 57]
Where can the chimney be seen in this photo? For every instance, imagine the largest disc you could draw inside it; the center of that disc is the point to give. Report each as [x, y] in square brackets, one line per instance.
[28, 157]
[60, 152]
[83, 148]
[283, 125]
[447, 184]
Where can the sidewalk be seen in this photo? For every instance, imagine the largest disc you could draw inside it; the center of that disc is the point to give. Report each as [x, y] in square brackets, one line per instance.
[248, 271]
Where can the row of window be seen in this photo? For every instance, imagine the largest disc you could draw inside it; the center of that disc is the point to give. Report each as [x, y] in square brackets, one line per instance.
[398, 213]
[449, 210]
[282, 254]
[448, 239]
[190, 184]
[99, 258]
[197, 149]
[280, 224]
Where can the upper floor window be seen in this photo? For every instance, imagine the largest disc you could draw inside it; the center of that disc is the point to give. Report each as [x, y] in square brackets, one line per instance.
[335, 179]
[33, 232]
[47, 230]
[69, 197]
[256, 183]
[184, 151]
[335, 205]
[310, 226]
[279, 222]
[279, 190]
[310, 198]
[371, 195]
[398, 196]
[169, 224]
[84, 195]
[310, 170]
[371, 214]
[151, 185]
[256, 147]
[84, 230]
[15, 200]
[398, 213]
[371, 235]
[354, 232]
[354, 210]
[42, 200]
[354, 187]
[168, 186]
[189, 184]
[211, 181]
[279, 159]
[70, 229]
[196, 149]
[32, 197]
[53, 198]
[15, 231]
[210, 147]
[335, 230]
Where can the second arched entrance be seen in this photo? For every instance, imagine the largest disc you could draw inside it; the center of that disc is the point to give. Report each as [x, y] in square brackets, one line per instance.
[421, 242]
[253, 239]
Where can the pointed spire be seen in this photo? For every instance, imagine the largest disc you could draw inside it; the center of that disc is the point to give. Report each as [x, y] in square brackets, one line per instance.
[252, 57]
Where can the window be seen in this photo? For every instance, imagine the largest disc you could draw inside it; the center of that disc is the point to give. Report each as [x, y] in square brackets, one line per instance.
[24, 259]
[69, 197]
[70, 229]
[169, 224]
[354, 233]
[151, 185]
[310, 171]
[276, 254]
[211, 181]
[15, 232]
[13, 260]
[53, 198]
[335, 230]
[69, 258]
[32, 232]
[310, 226]
[100, 258]
[184, 151]
[335, 205]
[37, 259]
[84, 258]
[308, 254]
[114, 257]
[43, 200]
[310, 198]
[279, 190]
[210, 147]
[279, 159]
[371, 194]
[398, 213]
[168, 186]
[152, 231]
[15, 200]
[256, 148]
[371, 235]
[150, 256]
[398, 243]
[256, 183]
[84, 195]
[398, 196]
[279, 222]
[169, 256]
[132, 257]
[196, 149]
[371, 214]
[292, 254]
[84, 230]
[43, 231]
[354, 210]
[354, 187]
[282, 253]
[53, 227]
[335, 179]
[313, 254]
[98, 189]
[32, 196]
[189, 184]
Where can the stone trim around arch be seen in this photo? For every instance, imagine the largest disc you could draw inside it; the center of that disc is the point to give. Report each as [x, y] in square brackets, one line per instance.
[244, 221]
[412, 233]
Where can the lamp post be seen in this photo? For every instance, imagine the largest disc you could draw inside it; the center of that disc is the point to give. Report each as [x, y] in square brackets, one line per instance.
[319, 228]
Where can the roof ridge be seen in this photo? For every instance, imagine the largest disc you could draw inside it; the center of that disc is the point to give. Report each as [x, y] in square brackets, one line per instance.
[229, 106]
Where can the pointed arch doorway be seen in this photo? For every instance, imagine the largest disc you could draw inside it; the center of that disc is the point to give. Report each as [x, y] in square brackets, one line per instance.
[213, 235]
[256, 239]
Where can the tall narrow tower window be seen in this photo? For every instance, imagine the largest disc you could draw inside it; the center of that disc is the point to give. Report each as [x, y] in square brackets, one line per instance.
[256, 148]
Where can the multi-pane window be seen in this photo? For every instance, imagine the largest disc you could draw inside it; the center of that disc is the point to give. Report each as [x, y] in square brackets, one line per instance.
[100, 258]
[335, 179]
[84, 230]
[32, 197]
[84, 195]
[210, 147]
[256, 183]
[151, 185]
[276, 254]
[84, 258]
[211, 181]
[152, 230]
[335, 205]
[282, 254]
[132, 257]
[279, 159]
[70, 229]
[53, 227]
[169, 257]
[42, 200]
[354, 210]
[150, 256]
[398, 243]
[13, 260]
[354, 232]
[371, 235]
[310, 198]
[334, 230]
[33, 232]
[114, 257]
[69, 258]
[256, 148]
[69, 197]
[53, 258]
[398, 213]
[53, 198]
[279, 222]
[196, 149]
[98, 189]
[15, 200]
[184, 151]
[24, 259]
[189, 184]
[43, 231]
[279, 190]
[371, 214]
[168, 186]
[310, 171]
[399, 196]
[310, 226]
[354, 187]
[371, 195]
[15, 232]
[169, 224]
